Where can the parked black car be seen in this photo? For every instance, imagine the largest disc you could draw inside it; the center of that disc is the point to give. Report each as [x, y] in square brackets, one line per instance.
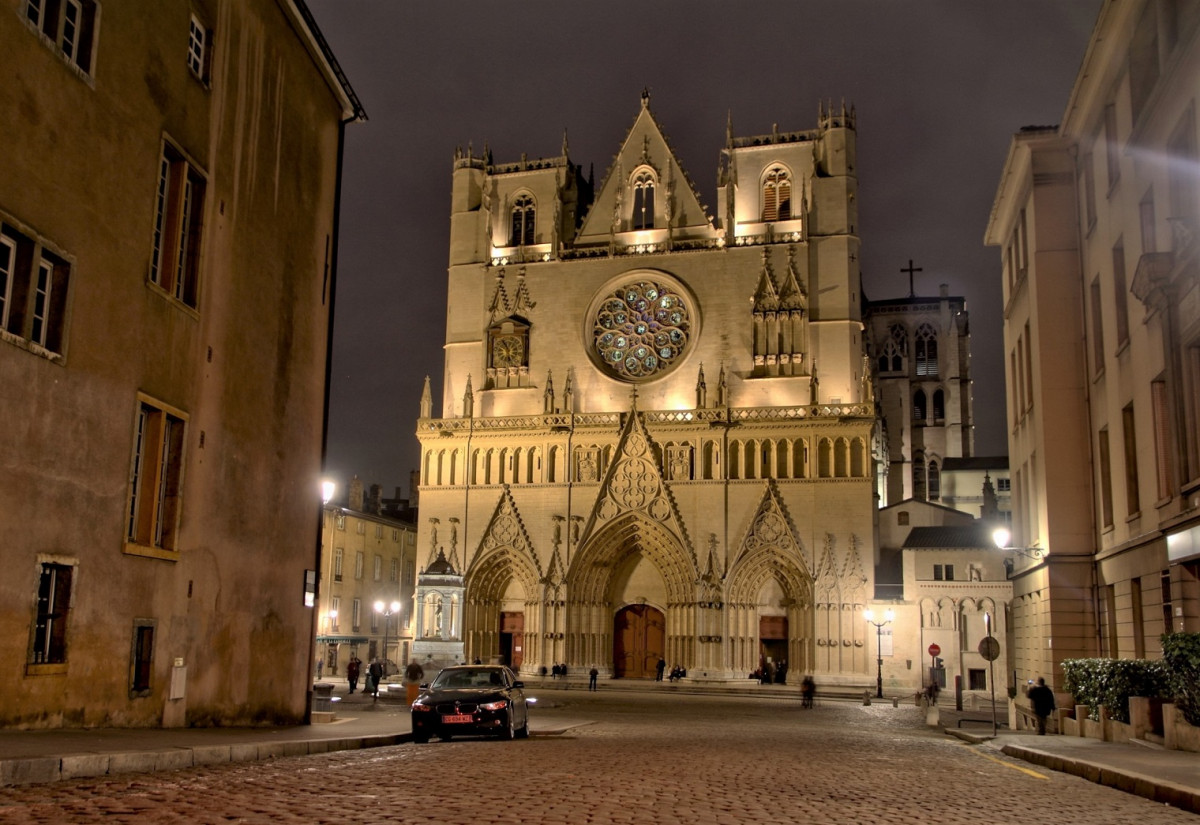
[471, 699]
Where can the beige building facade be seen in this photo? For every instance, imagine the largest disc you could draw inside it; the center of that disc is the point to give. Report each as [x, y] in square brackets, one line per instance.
[656, 431]
[167, 208]
[1097, 225]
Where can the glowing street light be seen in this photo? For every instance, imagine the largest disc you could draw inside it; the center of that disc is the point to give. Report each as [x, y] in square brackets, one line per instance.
[869, 615]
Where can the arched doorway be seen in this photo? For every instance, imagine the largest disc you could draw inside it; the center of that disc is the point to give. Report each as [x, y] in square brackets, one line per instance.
[639, 636]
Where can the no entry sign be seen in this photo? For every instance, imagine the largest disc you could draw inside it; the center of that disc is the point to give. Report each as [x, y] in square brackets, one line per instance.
[934, 650]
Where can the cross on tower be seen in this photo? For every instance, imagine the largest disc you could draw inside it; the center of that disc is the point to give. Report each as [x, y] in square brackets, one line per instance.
[911, 270]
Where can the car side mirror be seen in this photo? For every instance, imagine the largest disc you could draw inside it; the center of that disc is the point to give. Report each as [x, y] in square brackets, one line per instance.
[423, 686]
[518, 684]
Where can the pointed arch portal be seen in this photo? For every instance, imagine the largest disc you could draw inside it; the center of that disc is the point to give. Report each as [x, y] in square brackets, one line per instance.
[639, 641]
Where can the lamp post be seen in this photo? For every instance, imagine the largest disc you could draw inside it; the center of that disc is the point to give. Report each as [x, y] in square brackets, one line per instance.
[387, 611]
[1001, 538]
[869, 615]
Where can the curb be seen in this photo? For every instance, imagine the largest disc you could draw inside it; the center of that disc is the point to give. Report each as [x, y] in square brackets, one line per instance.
[39, 770]
[1145, 786]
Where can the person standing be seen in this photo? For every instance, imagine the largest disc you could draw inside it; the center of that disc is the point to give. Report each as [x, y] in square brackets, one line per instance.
[1042, 699]
[413, 674]
[659, 668]
[593, 674]
[376, 671]
[352, 669]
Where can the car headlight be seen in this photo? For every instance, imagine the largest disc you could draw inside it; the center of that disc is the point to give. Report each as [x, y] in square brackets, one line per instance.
[417, 706]
[501, 705]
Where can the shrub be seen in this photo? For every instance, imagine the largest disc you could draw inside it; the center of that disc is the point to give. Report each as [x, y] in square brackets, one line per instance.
[1181, 652]
[1110, 682]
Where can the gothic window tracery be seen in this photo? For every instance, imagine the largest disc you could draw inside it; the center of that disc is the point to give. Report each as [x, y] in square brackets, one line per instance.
[643, 185]
[926, 350]
[777, 195]
[523, 214]
[641, 329]
[891, 359]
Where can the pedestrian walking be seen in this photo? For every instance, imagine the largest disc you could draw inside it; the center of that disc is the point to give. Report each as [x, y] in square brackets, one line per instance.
[320, 667]
[659, 668]
[808, 691]
[352, 670]
[1042, 699]
[593, 674]
[931, 693]
[413, 674]
[376, 676]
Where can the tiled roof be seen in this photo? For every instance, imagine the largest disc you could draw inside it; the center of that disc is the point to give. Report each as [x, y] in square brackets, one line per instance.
[974, 536]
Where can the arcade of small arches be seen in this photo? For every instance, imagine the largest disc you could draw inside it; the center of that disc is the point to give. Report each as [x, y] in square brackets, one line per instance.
[685, 460]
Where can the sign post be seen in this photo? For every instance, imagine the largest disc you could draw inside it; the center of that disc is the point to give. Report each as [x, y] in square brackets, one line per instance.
[934, 651]
[989, 648]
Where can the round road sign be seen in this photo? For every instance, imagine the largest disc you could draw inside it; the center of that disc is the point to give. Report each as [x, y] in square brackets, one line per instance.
[934, 650]
[989, 648]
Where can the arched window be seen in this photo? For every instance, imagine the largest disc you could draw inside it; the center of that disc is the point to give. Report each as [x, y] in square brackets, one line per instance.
[777, 195]
[935, 481]
[523, 215]
[919, 407]
[939, 405]
[643, 200]
[918, 476]
[894, 349]
[926, 346]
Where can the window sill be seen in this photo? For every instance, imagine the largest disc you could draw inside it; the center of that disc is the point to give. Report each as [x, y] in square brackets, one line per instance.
[146, 551]
[59, 669]
[172, 300]
[31, 347]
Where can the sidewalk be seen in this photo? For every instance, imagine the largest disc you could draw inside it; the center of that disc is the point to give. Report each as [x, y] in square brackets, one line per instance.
[33, 757]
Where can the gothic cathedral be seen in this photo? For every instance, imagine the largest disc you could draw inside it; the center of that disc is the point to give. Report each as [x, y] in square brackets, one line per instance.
[658, 436]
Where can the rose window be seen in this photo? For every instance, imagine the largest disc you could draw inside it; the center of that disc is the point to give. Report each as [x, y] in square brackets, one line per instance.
[641, 329]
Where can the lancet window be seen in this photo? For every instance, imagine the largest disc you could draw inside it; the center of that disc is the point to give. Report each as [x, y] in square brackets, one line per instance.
[523, 214]
[926, 350]
[643, 199]
[891, 359]
[777, 195]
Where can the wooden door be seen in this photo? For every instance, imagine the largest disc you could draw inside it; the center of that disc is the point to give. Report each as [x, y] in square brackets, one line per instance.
[639, 641]
[512, 639]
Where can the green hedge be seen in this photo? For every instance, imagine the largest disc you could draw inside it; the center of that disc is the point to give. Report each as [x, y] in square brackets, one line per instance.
[1110, 682]
[1181, 652]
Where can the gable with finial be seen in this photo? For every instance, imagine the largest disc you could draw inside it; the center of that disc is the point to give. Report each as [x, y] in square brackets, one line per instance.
[645, 153]
[772, 530]
[506, 533]
[634, 484]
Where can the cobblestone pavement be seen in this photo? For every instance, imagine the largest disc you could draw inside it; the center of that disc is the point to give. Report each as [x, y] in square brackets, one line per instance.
[698, 760]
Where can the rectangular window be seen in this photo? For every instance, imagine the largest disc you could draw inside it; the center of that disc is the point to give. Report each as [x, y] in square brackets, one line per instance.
[396, 535]
[1023, 242]
[409, 572]
[379, 531]
[1120, 292]
[50, 624]
[358, 565]
[1163, 467]
[178, 217]
[1097, 330]
[976, 679]
[197, 53]
[335, 604]
[1106, 504]
[1112, 155]
[1028, 338]
[378, 567]
[33, 290]
[361, 528]
[1139, 630]
[356, 616]
[1089, 189]
[374, 622]
[1110, 621]
[338, 553]
[938, 573]
[69, 24]
[395, 570]
[1131, 455]
[1146, 219]
[1004, 484]
[156, 475]
[143, 658]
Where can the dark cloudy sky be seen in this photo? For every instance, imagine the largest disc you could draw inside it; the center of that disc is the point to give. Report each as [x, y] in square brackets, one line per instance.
[939, 87]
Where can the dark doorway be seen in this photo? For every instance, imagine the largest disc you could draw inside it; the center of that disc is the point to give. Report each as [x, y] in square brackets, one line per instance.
[773, 646]
[639, 641]
[512, 635]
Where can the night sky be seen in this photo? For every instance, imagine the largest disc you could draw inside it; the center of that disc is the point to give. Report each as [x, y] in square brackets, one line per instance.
[939, 88]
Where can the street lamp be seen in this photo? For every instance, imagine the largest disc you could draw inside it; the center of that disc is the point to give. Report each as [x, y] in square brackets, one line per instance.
[869, 615]
[1001, 538]
[387, 611]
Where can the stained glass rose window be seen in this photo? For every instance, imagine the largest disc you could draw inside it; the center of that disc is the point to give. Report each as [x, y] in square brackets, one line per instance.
[641, 329]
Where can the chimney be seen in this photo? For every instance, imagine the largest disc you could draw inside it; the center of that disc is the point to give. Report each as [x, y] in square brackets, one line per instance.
[376, 500]
[414, 487]
[355, 498]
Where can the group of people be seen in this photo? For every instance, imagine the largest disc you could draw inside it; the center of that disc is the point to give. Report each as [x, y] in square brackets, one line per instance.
[558, 670]
[374, 675]
[768, 672]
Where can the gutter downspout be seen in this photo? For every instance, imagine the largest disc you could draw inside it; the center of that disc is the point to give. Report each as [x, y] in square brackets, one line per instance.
[331, 288]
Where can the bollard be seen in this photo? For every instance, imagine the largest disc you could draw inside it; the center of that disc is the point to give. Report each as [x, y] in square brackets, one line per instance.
[866, 697]
[895, 701]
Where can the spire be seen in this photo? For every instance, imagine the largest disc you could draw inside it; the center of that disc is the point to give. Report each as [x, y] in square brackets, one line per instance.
[645, 97]
[729, 129]
[814, 386]
[701, 390]
[468, 400]
[426, 400]
[565, 147]
[722, 389]
[568, 396]
[766, 299]
[521, 303]
[500, 303]
[548, 395]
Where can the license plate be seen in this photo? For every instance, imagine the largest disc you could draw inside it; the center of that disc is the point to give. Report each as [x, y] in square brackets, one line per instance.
[458, 718]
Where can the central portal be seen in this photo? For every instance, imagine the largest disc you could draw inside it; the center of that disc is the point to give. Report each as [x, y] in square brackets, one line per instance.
[639, 640]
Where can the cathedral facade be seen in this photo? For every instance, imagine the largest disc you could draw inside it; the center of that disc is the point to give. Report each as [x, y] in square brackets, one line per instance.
[658, 436]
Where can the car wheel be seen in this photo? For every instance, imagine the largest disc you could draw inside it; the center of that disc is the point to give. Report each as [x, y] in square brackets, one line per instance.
[445, 737]
[421, 738]
[523, 731]
[508, 731]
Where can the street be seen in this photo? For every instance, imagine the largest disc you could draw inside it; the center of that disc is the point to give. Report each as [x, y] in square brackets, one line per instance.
[624, 757]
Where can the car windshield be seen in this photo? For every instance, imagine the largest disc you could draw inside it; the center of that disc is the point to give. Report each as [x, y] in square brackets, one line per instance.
[469, 678]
